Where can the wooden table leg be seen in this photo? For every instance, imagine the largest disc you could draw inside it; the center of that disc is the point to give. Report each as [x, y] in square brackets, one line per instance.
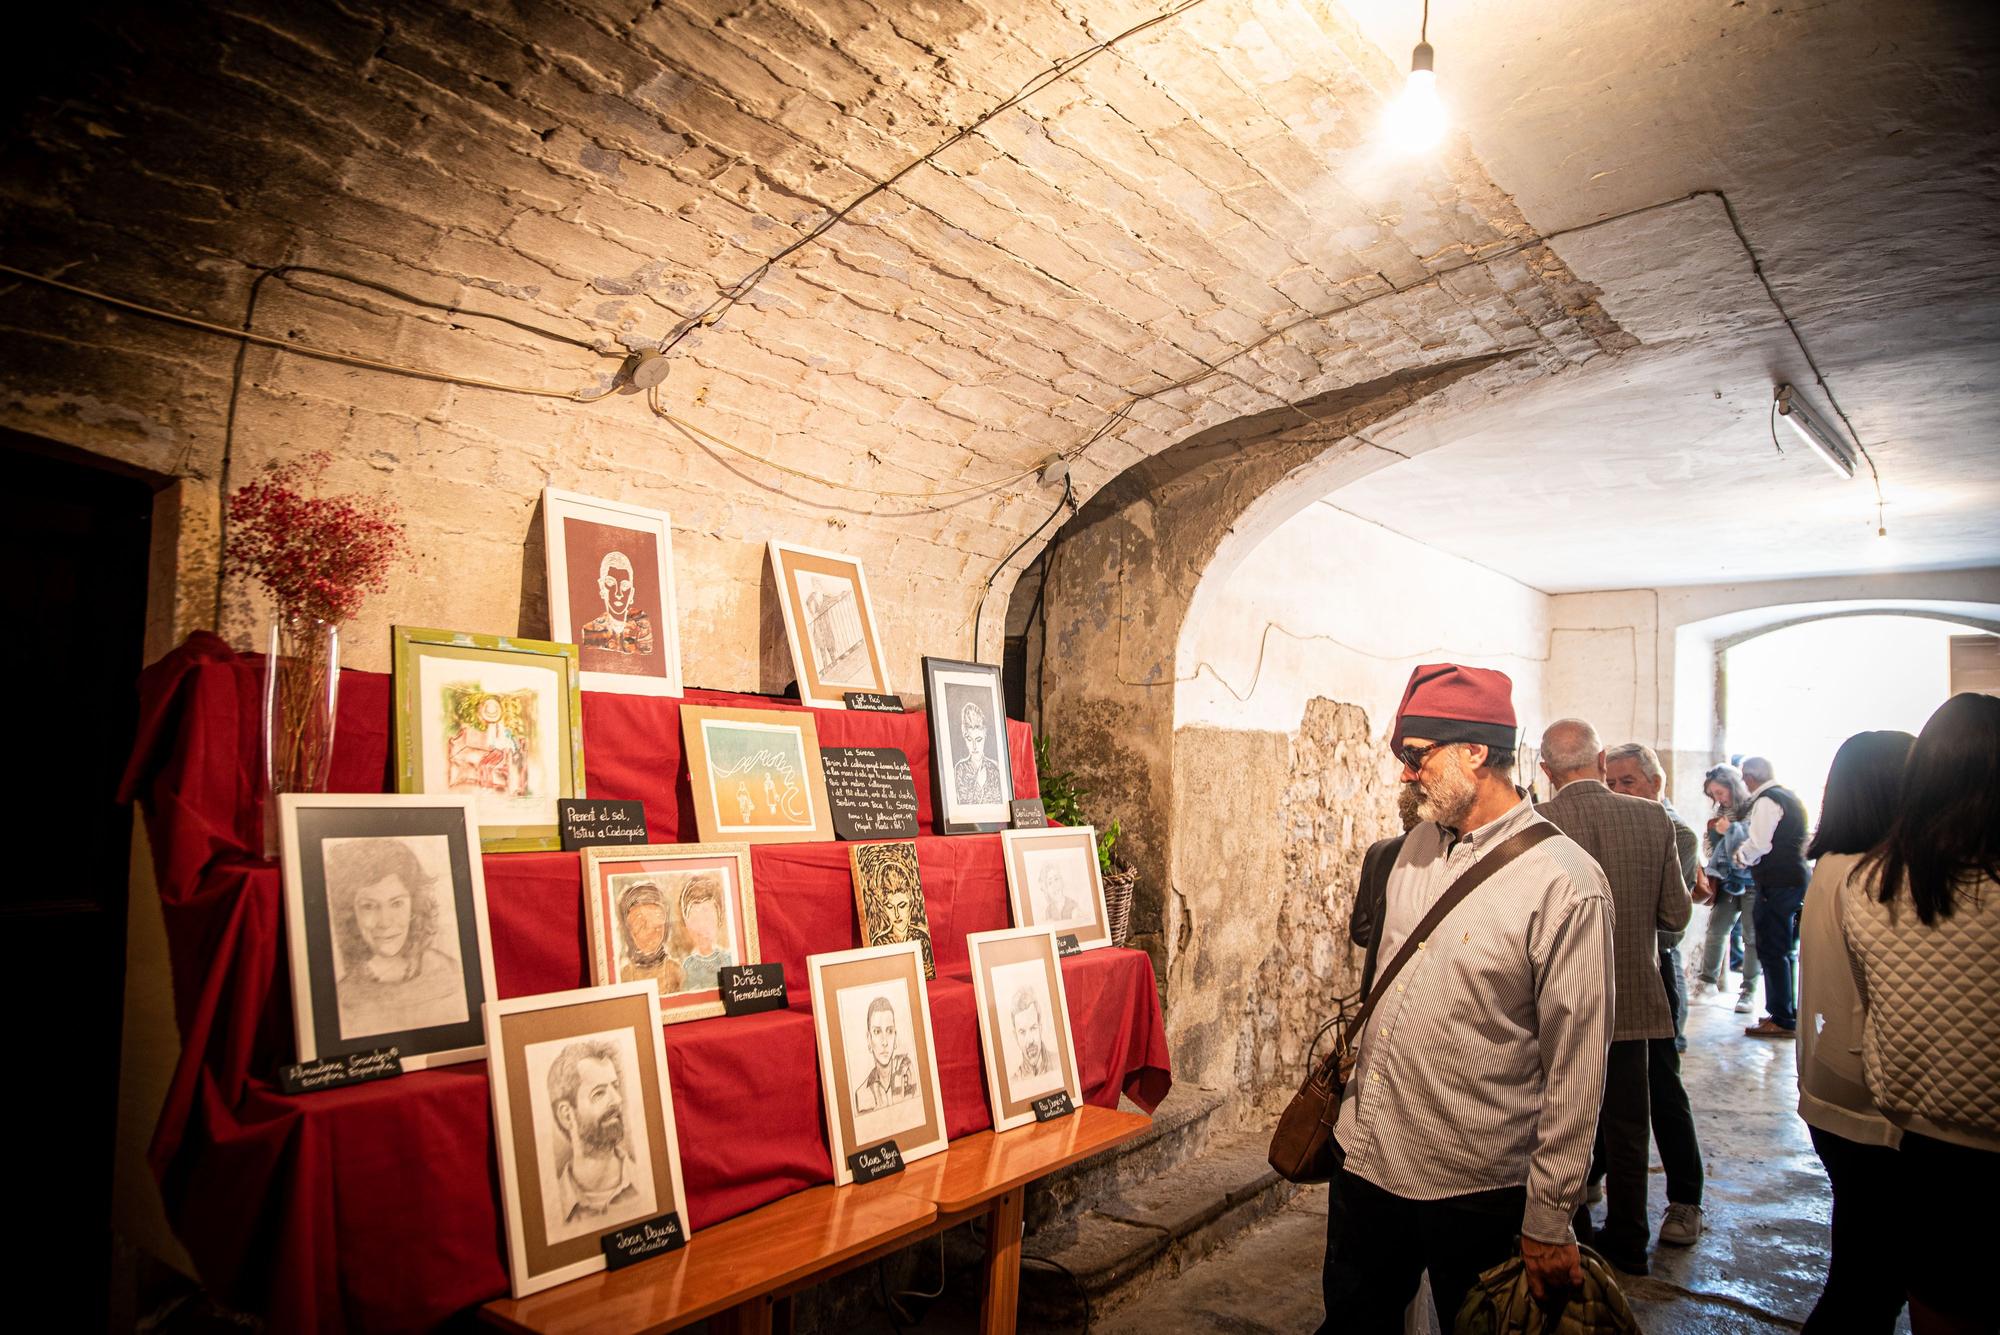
[1003, 1264]
[749, 1318]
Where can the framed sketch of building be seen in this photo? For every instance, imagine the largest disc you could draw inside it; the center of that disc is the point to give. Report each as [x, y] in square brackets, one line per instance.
[385, 925]
[972, 776]
[1024, 1034]
[674, 913]
[830, 623]
[756, 775]
[583, 1117]
[611, 592]
[889, 897]
[1054, 882]
[493, 718]
[877, 1059]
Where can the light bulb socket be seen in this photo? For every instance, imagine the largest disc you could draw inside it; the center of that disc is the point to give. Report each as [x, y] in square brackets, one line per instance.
[1420, 59]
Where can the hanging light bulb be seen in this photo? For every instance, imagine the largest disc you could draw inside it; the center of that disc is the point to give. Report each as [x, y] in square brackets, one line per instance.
[1416, 119]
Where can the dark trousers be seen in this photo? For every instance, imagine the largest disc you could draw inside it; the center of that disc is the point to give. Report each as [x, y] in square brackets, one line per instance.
[1387, 1242]
[1865, 1273]
[1951, 1265]
[1624, 1136]
[1673, 1122]
[1777, 923]
[1677, 997]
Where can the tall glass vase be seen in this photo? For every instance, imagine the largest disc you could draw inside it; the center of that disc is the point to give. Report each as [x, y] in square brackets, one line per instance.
[301, 686]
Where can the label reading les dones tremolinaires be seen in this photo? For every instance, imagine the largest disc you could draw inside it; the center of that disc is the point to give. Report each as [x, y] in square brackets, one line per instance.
[749, 988]
[623, 1246]
[875, 1161]
[356, 1068]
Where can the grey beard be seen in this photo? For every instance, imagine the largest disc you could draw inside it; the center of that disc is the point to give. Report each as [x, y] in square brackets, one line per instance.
[1448, 801]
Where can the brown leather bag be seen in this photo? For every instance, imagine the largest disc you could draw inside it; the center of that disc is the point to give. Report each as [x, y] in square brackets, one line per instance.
[1302, 1146]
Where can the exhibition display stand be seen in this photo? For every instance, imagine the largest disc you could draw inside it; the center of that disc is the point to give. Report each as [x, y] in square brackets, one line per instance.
[375, 1206]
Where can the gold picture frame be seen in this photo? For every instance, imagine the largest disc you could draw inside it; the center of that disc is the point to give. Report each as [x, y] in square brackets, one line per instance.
[699, 900]
[830, 624]
[756, 775]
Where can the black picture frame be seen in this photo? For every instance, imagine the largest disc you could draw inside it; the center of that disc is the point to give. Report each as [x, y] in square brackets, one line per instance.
[970, 793]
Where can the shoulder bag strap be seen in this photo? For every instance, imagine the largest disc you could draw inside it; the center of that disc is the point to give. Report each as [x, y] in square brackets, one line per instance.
[1505, 852]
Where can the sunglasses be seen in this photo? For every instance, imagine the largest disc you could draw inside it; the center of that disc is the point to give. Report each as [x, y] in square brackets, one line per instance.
[1415, 756]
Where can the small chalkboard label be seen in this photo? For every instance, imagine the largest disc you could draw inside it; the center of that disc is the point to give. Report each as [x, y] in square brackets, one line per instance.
[749, 988]
[871, 792]
[1051, 1106]
[1030, 815]
[875, 1161]
[623, 1246]
[873, 702]
[1067, 944]
[356, 1068]
[588, 822]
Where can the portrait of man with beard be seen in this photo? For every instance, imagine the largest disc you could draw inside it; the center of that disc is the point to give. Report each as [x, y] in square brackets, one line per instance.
[600, 1180]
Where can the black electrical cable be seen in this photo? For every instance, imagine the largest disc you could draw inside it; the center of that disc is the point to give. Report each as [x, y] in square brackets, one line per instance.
[1068, 498]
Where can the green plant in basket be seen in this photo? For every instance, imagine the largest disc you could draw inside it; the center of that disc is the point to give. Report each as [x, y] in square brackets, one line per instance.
[1063, 800]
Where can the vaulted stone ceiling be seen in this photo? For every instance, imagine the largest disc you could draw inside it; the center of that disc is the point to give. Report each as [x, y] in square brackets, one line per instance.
[1195, 226]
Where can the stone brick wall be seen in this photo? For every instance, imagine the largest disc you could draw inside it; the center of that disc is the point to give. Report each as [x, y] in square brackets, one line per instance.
[555, 185]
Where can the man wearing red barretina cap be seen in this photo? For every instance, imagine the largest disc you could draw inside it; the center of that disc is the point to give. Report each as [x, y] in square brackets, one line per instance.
[1468, 1121]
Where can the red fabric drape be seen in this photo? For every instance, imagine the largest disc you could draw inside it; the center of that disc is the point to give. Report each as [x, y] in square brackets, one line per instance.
[376, 1207]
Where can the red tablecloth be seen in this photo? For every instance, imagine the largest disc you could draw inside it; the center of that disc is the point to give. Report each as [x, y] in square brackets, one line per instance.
[377, 1206]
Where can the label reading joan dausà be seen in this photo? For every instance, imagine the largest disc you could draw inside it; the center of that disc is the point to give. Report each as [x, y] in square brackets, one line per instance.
[750, 988]
[623, 1246]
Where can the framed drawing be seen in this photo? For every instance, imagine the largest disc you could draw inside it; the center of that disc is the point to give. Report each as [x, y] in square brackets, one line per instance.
[877, 1061]
[972, 779]
[1054, 883]
[495, 719]
[611, 591]
[674, 913]
[584, 1120]
[1024, 1035]
[889, 897]
[830, 623]
[385, 925]
[756, 774]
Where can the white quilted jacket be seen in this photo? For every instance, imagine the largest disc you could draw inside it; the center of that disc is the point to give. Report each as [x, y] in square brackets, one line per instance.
[1931, 998]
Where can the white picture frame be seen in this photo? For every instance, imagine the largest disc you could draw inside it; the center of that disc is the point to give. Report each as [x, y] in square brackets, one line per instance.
[614, 654]
[835, 646]
[388, 981]
[1025, 1041]
[875, 1092]
[1057, 864]
[606, 1037]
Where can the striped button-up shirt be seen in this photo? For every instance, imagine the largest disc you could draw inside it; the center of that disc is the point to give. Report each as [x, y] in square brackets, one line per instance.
[1483, 1066]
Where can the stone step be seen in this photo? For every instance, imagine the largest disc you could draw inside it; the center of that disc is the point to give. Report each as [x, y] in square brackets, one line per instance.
[1152, 1229]
[1182, 1127]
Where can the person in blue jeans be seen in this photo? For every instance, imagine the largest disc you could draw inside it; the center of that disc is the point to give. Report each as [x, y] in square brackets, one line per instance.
[1775, 856]
[1729, 890]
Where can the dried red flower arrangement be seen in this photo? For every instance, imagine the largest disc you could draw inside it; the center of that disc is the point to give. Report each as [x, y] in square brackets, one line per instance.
[320, 556]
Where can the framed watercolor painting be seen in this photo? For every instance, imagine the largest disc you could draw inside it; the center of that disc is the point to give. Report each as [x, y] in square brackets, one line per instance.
[877, 1059]
[889, 897]
[385, 925]
[1024, 1034]
[972, 776]
[830, 624]
[674, 913]
[1054, 883]
[583, 1116]
[611, 591]
[756, 775]
[493, 718]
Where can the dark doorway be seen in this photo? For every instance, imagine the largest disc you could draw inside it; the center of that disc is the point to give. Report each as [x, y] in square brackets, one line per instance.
[76, 539]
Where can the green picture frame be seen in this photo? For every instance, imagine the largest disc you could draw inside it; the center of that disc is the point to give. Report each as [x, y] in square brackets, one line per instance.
[493, 717]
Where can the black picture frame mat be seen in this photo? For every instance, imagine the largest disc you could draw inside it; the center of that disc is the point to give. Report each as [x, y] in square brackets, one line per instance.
[318, 824]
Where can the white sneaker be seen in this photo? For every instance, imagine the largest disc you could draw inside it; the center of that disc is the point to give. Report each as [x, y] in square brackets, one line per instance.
[1745, 1004]
[1706, 991]
[1682, 1225]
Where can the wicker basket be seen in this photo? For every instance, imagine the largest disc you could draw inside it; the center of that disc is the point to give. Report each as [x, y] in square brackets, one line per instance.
[1118, 887]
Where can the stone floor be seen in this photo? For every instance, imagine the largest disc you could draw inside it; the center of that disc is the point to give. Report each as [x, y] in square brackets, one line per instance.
[1758, 1268]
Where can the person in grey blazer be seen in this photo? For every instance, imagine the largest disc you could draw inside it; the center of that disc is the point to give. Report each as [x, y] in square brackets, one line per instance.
[1633, 841]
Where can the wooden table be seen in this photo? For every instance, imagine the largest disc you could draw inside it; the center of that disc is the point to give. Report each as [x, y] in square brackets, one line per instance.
[741, 1273]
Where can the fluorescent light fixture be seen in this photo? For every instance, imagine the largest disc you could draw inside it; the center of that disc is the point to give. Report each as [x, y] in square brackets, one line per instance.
[1814, 432]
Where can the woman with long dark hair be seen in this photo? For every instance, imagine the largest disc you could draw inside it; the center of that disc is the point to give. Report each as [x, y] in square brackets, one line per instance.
[1865, 1277]
[1922, 921]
